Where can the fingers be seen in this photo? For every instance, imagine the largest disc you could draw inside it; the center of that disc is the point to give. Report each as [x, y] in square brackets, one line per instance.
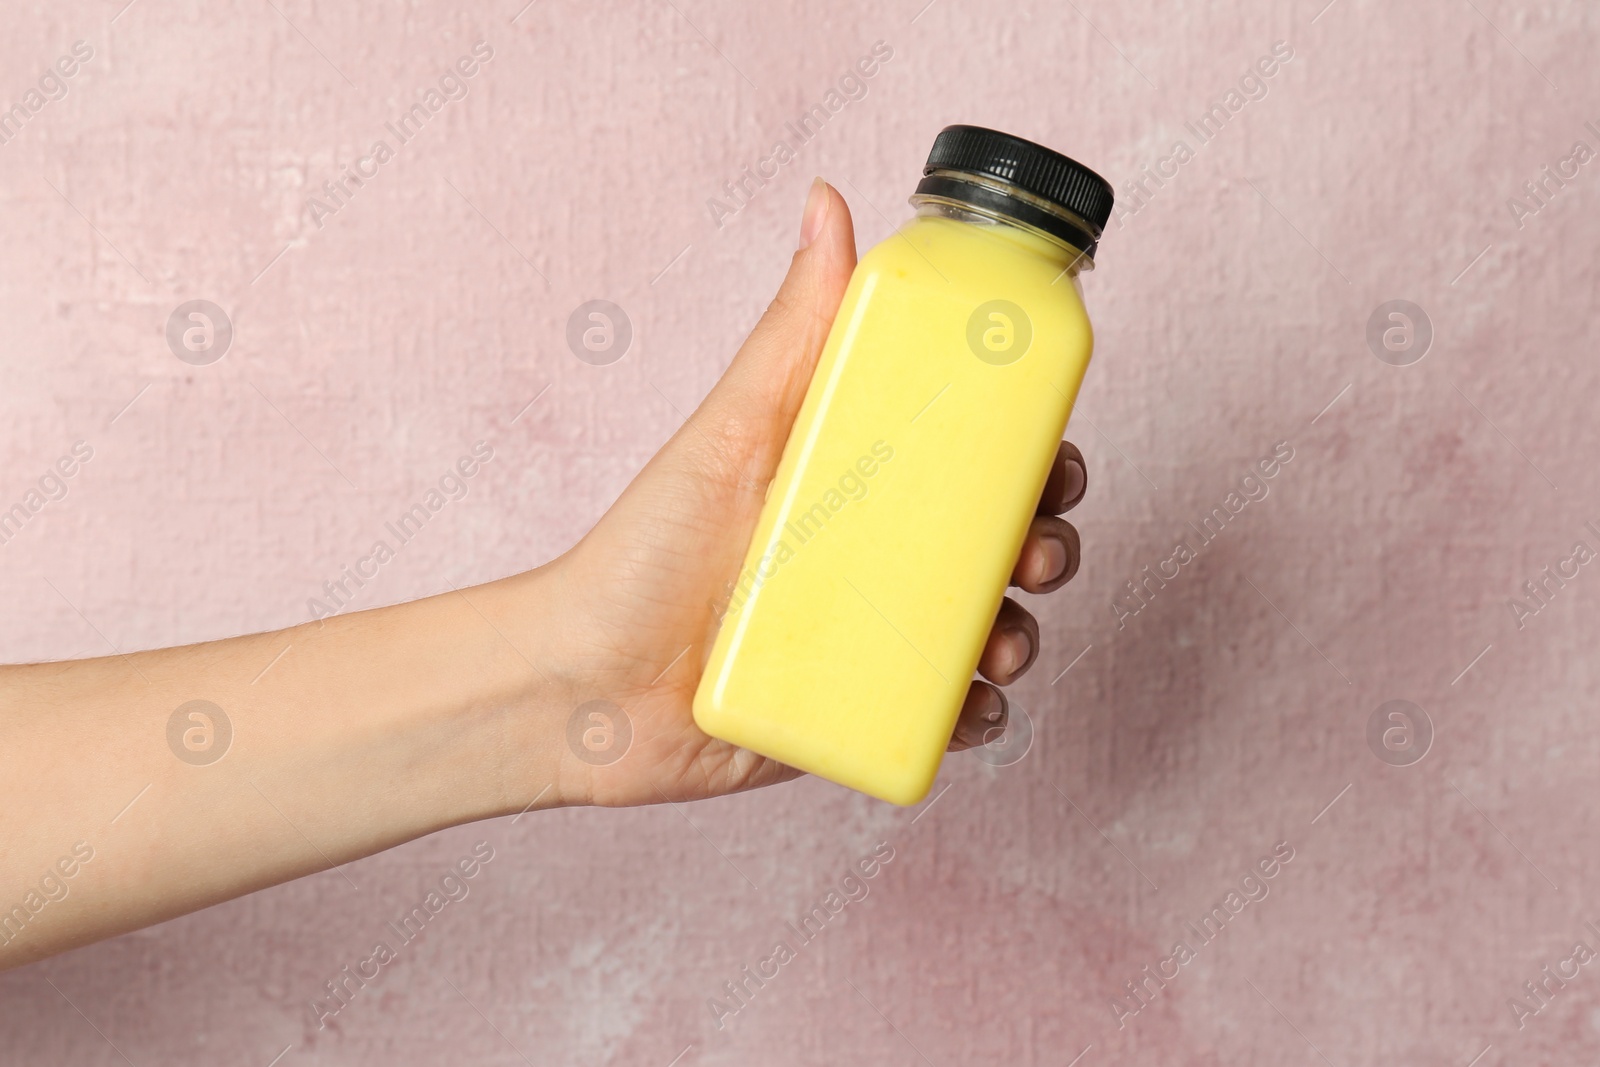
[982, 719]
[1050, 556]
[1051, 551]
[1013, 644]
[741, 426]
[1049, 559]
[1069, 478]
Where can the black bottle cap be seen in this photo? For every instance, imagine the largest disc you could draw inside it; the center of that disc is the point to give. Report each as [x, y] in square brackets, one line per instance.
[1083, 198]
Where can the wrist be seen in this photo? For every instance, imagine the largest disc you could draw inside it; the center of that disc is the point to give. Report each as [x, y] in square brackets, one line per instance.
[509, 693]
[451, 702]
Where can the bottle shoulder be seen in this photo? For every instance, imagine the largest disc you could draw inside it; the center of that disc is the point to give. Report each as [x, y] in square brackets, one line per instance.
[930, 261]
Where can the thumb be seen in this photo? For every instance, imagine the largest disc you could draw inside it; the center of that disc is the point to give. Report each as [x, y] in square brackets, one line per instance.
[745, 419]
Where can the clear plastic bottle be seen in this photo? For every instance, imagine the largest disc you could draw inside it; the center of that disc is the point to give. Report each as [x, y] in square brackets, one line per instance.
[913, 470]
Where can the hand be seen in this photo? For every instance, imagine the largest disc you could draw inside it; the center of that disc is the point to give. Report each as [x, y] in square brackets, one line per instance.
[642, 585]
[376, 727]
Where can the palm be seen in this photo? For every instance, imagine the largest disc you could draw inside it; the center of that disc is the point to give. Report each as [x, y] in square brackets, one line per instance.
[652, 573]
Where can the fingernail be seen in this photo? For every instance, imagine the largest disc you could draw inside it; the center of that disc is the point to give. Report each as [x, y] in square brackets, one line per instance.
[816, 212]
[1055, 560]
[1072, 487]
[997, 707]
[1017, 645]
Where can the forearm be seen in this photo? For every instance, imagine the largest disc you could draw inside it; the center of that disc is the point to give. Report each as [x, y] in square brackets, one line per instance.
[348, 736]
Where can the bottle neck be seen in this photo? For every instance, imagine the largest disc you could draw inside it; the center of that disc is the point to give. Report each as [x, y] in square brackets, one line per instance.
[988, 201]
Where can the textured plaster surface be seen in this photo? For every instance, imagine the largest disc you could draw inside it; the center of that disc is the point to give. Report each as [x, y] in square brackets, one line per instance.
[375, 343]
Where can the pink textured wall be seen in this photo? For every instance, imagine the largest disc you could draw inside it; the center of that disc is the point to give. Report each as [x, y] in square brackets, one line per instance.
[373, 344]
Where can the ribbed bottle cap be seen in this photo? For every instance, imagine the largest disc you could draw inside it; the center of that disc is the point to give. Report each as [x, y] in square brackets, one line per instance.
[1034, 169]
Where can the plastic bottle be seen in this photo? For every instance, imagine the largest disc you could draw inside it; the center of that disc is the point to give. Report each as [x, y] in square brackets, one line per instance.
[913, 470]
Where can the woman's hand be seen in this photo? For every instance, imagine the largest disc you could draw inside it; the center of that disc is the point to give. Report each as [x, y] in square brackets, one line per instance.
[645, 585]
[353, 734]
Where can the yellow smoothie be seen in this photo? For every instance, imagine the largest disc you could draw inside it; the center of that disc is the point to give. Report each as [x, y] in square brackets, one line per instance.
[900, 504]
